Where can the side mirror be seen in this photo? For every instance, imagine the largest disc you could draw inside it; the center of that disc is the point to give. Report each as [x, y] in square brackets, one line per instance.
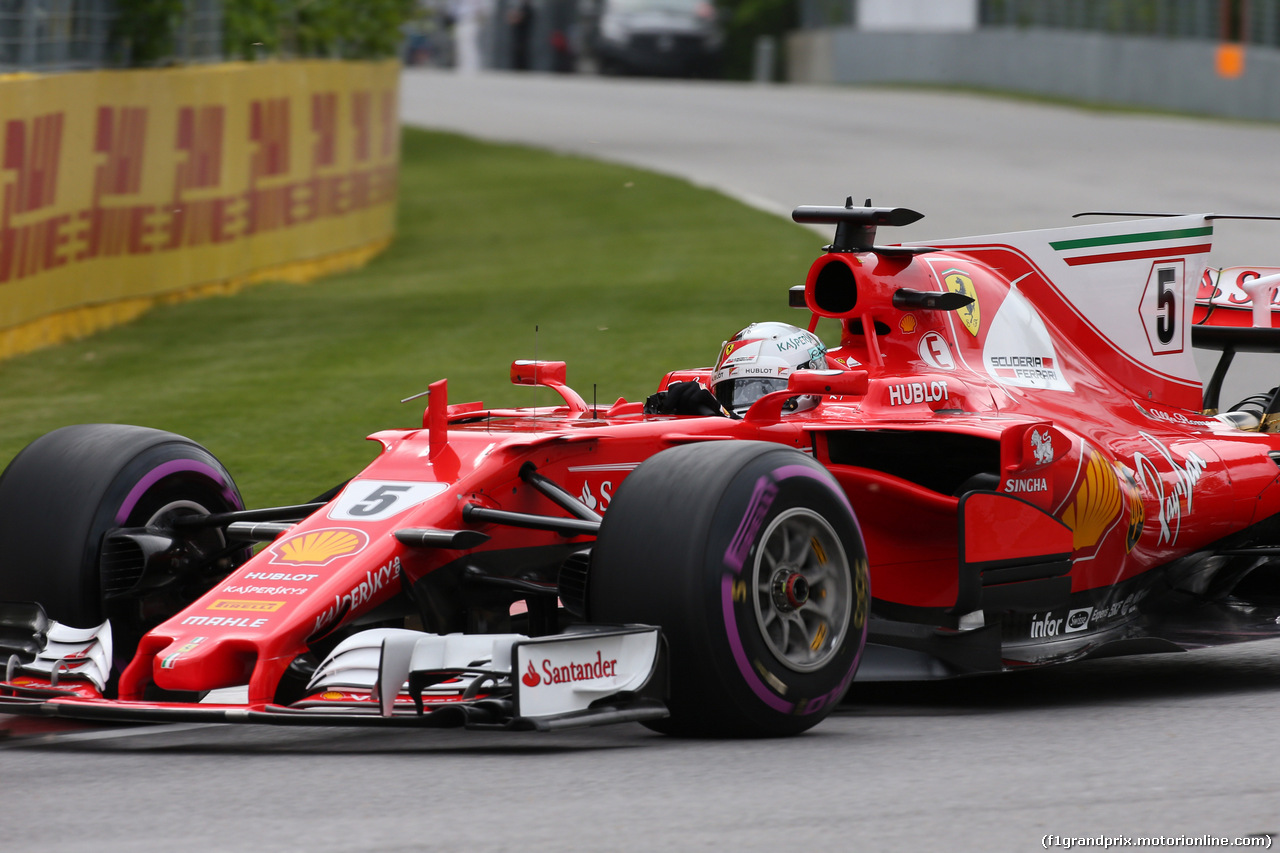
[853, 383]
[528, 372]
[550, 374]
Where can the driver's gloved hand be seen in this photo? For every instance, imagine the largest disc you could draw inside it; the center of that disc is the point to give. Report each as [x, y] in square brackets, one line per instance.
[683, 398]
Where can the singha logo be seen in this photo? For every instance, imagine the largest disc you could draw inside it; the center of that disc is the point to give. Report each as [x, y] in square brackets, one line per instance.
[531, 678]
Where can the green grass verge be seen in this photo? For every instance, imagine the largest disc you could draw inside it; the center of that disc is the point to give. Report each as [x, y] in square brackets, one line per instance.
[624, 273]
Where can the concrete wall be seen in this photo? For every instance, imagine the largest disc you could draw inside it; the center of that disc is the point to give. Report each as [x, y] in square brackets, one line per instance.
[1161, 73]
[932, 15]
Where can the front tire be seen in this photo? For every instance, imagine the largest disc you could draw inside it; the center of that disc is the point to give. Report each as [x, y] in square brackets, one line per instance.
[61, 495]
[748, 556]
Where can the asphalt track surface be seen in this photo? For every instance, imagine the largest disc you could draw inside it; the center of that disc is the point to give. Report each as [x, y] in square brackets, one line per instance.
[1171, 745]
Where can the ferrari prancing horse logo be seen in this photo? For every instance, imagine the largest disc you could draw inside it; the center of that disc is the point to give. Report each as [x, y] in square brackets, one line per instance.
[959, 282]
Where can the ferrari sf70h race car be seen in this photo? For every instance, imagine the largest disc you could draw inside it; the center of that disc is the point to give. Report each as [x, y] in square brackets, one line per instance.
[1008, 461]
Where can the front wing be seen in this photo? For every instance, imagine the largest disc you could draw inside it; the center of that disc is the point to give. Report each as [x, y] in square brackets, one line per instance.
[410, 679]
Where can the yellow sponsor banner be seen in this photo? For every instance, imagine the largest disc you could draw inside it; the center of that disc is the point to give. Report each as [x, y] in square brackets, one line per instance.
[257, 606]
[123, 188]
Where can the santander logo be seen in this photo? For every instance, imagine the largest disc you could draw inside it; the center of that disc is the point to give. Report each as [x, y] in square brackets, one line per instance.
[570, 672]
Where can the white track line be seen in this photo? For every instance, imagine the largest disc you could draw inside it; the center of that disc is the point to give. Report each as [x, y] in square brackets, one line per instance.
[72, 737]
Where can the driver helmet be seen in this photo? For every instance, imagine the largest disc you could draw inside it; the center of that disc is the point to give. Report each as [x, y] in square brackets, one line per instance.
[759, 359]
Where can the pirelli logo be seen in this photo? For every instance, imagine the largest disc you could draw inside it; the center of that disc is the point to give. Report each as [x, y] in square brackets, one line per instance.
[253, 606]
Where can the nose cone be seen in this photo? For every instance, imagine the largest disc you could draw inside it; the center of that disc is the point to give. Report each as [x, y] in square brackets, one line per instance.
[204, 662]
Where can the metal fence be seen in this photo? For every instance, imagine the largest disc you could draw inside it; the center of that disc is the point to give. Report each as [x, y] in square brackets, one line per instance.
[54, 34]
[198, 38]
[1250, 21]
[63, 35]
[826, 13]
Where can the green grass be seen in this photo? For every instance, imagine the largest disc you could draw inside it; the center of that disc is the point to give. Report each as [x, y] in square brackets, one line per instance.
[625, 274]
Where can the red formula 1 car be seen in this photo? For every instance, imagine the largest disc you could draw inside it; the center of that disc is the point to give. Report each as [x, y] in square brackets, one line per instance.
[1008, 461]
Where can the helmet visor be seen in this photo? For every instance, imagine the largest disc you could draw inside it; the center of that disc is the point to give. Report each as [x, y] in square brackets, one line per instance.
[737, 395]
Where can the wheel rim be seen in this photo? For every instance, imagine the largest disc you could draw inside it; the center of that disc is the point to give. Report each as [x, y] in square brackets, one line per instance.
[803, 590]
[209, 541]
[142, 609]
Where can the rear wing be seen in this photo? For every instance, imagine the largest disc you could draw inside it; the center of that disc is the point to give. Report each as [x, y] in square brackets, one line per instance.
[1237, 305]
[1235, 311]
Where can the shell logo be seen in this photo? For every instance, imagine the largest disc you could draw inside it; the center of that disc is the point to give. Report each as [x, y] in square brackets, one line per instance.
[318, 547]
[1096, 504]
[907, 324]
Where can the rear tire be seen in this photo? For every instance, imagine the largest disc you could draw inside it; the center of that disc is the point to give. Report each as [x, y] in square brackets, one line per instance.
[748, 556]
[67, 489]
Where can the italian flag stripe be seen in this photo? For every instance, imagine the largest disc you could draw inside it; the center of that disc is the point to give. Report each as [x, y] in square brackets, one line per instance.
[1121, 239]
[1163, 252]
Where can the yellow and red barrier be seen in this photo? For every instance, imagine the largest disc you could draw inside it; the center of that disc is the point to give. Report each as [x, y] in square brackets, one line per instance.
[119, 189]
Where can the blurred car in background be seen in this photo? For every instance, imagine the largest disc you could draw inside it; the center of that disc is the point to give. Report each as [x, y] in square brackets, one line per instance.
[678, 38]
